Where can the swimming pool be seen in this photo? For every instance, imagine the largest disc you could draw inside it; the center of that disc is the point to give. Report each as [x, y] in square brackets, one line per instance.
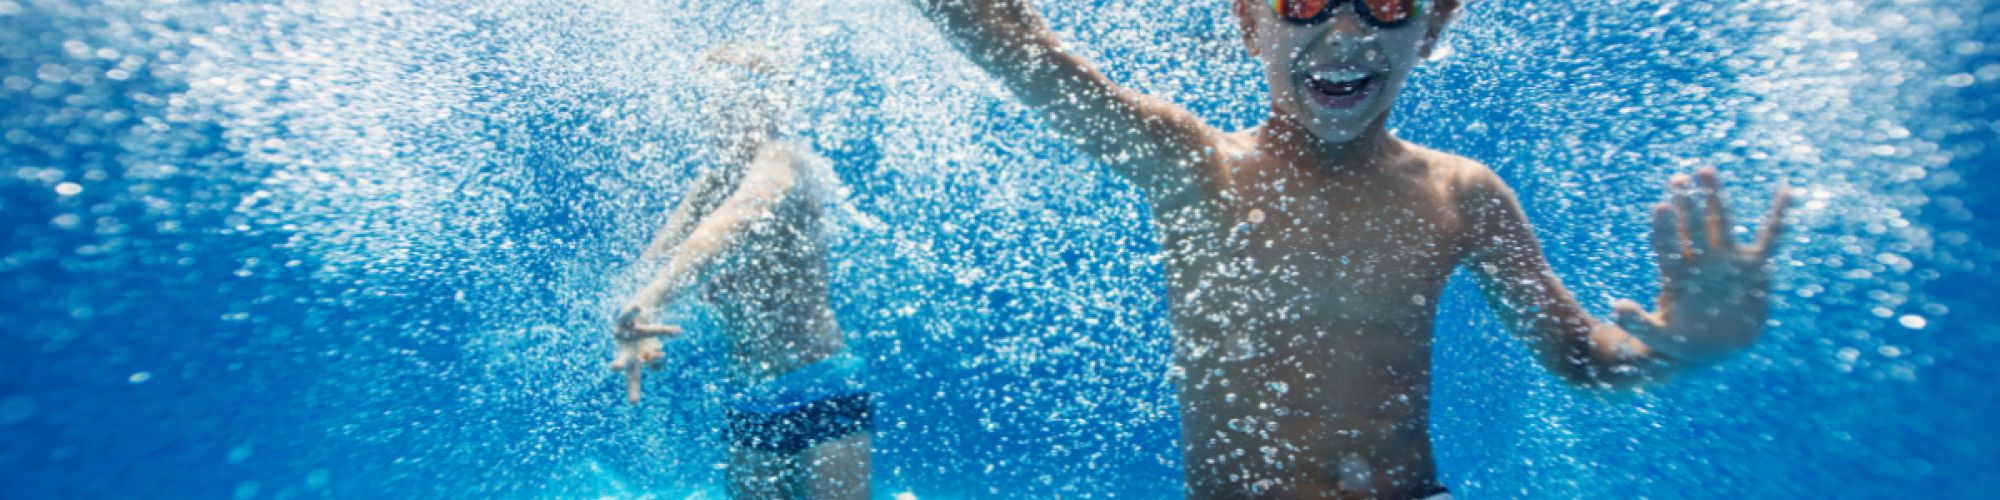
[368, 249]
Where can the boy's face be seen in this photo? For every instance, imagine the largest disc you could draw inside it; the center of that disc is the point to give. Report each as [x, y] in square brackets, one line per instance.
[1340, 76]
[739, 120]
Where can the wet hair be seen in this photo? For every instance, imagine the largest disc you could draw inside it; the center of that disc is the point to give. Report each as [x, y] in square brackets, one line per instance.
[746, 108]
[743, 102]
[745, 99]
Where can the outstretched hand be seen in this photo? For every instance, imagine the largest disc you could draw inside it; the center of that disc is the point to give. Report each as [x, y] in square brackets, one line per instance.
[638, 348]
[1714, 293]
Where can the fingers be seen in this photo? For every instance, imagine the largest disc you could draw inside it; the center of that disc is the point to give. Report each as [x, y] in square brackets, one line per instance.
[1717, 221]
[637, 332]
[1628, 311]
[619, 361]
[651, 354]
[1774, 224]
[1706, 225]
[1667, 241]
[1633, 318]
[633, 358]
[638, 349]
[1688, 220]
[657, 330]
[633, 377]
[630, 361]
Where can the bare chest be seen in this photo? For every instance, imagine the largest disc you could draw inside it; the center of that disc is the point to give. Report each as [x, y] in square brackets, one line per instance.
[1361, 252]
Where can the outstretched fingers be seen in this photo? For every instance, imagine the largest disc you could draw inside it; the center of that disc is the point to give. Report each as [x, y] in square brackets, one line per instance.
[1774, 224]
[1716, 224]
[633, 376]
[651, 354]
[1667, 241]
[650, 331]
[1692, 232]
[624, 357]
[630, 359]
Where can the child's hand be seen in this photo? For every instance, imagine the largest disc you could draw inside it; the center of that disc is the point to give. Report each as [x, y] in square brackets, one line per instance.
[638, 347]
[1713, 300]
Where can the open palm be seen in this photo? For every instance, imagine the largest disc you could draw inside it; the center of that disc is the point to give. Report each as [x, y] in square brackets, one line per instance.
[1714, 293]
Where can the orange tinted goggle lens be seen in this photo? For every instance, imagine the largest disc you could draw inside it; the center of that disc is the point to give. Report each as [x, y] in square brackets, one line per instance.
[1384, 11]
[1390, 11]
[1300, 9]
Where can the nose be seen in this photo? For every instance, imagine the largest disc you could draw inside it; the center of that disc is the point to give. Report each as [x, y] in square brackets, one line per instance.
[1347, 25]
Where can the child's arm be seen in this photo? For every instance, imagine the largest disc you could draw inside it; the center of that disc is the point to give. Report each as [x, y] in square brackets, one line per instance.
[706, 187]
[693, 254]
[1713, 300]
[1151, 142]
[768, 180]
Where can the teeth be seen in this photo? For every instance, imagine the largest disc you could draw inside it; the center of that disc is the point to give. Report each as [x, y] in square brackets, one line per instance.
[1339, 75]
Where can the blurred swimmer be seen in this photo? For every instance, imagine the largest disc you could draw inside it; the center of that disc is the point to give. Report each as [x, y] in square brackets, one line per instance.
[750, 236]
[1305, 257]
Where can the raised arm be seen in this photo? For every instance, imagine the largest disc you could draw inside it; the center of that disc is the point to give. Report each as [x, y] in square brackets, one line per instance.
[1524, 292]
[767, 181]
[693, 208]
[636, 336]
[1703, 316]
[1151, 142]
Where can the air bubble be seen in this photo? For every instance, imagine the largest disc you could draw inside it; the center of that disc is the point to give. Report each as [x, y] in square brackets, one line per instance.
[1912, 321]
[1242, 425]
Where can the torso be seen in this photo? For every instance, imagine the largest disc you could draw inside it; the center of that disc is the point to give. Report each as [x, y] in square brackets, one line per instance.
[1303, 303]
[771, 295]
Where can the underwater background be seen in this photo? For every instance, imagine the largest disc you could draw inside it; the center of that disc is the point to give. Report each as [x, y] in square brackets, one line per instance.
[370, 248]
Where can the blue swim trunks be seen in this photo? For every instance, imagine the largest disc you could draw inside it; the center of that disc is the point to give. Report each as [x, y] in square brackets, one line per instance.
[822, 402]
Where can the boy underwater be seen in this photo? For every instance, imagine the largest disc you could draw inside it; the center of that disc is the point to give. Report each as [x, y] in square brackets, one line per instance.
[1305, 256]
[751, 237]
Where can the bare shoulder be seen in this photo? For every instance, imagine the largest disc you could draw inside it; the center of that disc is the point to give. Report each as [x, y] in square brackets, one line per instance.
[1167, 147]
[776, 167]
[1231, 144]
[1474, 186]
[1173, 123]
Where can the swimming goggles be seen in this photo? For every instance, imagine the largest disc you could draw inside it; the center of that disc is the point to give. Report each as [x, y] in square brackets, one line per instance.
[1380, 13]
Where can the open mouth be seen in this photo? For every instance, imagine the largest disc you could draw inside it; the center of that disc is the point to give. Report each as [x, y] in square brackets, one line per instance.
[1342, 88]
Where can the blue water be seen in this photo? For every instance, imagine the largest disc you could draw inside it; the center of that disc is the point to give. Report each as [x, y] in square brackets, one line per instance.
[367, 249]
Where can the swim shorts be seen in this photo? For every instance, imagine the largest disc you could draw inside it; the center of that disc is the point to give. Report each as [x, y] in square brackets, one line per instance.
[799, 430]
[823, 402]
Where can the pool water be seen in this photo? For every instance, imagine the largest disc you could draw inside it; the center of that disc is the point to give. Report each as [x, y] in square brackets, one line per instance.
[369, 248]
